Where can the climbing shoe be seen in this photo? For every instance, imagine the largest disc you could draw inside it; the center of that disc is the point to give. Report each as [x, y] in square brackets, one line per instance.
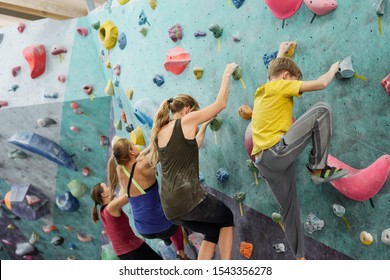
[327, 174]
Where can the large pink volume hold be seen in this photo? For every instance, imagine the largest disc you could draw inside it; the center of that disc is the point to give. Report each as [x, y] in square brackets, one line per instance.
[283, 9]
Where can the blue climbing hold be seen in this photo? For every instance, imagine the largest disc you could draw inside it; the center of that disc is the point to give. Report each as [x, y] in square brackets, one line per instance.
[222, 175]
[158, 80]
[238, 3]
[268, 57]
[122, 41]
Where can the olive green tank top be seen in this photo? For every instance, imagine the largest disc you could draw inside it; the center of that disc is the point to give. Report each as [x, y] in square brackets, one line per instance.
[180, 190]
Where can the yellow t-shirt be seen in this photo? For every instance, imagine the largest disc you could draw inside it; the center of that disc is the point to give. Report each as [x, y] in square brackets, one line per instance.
[272, 112]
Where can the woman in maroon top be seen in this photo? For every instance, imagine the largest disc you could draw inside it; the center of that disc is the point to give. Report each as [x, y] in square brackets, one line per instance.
[126, 245]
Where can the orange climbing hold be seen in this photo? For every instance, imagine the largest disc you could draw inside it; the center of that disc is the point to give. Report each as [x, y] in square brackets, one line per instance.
[246, 249]
[36, 58]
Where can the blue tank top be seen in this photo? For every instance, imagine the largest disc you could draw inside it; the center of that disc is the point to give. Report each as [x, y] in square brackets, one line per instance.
[148, 214]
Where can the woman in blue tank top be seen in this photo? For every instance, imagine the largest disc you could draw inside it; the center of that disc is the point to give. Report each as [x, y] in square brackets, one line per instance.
[138, 180]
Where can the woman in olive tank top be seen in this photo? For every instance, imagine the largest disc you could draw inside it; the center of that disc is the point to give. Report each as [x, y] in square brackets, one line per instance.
[174, 143]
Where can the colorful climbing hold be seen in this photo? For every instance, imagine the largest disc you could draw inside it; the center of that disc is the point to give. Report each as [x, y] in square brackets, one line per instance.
[246, 249]
[83, 31]
[61, 78]
[109, 89]
[245, 112]
[36, 58]
[386, 83]
[96, 25]
[15, 70]
[142, 18]
[158, 80]
[175, 32]
[198, 72]
[283, 9]
[117, 69]
[108, 34]
[122, 40]
[321, 7]
[21, 27]
[176, 60]
[222, 175]
[86, 171]
[366, 238]
[67, 202]
[199, 34]
[152, 4]
[216, 29]
[46, 122]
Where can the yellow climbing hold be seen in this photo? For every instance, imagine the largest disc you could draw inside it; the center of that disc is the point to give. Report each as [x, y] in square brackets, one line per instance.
[108, 34]
[291, 49]
[366, 238]
[137, 137]
[198, 72]
[129, 93]
[123, 2]
[109, 89]
[153, 4]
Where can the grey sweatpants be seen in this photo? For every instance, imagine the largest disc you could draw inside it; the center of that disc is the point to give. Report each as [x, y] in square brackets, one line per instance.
[277, 166]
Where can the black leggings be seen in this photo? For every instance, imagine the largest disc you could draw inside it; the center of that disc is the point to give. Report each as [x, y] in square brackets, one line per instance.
[208, 218]
[143, 252]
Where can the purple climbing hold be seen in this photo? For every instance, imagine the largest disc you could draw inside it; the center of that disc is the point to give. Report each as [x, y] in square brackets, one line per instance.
[199, 34]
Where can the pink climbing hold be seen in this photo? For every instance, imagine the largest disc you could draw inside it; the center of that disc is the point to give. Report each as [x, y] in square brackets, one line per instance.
[61, 78]
[361, 184]
[36, 58]
[15, 70]
[283, 9]
[83, 31]
[21, 27]
[321, 7]
[386, 83]
[177, 60]
[3, 103]
[88, 89]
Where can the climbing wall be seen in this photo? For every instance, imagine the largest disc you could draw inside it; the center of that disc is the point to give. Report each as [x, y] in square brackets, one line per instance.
[361, 121]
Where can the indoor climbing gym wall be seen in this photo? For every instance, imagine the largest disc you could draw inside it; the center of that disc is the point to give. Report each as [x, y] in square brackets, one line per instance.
[68, 87]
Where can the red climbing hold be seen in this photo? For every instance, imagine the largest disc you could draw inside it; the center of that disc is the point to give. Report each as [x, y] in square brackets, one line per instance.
[36, 58]
[386, 83]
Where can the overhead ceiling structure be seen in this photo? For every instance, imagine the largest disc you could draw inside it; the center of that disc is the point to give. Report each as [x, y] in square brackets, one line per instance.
[16, 11]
